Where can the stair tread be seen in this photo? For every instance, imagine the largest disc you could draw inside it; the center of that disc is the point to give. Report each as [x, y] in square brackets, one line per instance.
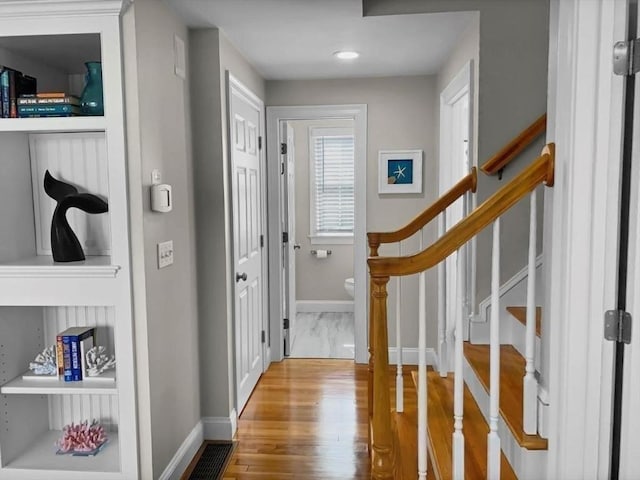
[520, 313]
[512, 366]
[475, 430]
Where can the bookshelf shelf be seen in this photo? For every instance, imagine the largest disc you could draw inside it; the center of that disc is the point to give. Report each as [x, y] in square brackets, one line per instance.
[43, 266]
[39, 461]
[54, 124]
[47, 386]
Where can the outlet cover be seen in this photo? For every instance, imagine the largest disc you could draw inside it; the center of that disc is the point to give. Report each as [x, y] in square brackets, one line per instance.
[165, 254]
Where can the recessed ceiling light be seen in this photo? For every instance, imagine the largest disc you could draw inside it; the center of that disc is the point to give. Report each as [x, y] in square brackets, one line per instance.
[346, 54]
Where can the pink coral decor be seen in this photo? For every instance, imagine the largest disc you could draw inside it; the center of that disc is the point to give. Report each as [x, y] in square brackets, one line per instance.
[82, 439]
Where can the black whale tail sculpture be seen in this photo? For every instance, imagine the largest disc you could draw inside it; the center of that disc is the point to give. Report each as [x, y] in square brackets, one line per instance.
[64, 243]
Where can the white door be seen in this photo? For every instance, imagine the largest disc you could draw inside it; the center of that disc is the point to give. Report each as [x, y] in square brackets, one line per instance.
[244, 122]
[289, 225]
[454, 165]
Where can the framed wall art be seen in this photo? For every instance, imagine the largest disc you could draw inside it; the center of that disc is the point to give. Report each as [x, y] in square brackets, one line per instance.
[400, 171]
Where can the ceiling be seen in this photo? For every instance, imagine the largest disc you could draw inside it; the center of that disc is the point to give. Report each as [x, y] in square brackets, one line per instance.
[295, 39]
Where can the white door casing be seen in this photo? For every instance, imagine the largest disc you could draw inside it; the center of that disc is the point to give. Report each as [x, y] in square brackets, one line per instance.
[581, 222]
[245, 120]
[455, 162]
[275, 115]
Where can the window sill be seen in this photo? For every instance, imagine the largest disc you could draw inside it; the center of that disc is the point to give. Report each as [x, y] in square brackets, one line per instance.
[331, 239]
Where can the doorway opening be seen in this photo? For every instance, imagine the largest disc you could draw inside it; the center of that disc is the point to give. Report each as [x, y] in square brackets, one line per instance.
[317, 207]
[318, 198]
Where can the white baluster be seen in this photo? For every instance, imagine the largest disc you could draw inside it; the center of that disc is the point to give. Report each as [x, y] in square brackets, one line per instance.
[443, 363]
[530, 395]
[493, 450]
[471, 201]
[422, 379]
[422, 373]
[458, 387]
[399, 380]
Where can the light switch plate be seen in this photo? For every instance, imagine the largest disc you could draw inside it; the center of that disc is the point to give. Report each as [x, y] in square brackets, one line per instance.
[165, 254]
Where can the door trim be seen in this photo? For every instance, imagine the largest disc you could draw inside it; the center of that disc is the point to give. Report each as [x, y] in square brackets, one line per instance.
[233, 83]
[357, 112]
[460, 85]
[581, 216]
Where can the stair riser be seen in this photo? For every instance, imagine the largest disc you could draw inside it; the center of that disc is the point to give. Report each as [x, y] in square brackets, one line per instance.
[527, 464]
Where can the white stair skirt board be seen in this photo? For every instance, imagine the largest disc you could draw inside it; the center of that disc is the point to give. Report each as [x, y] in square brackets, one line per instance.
[513, 292]
[181, 460]
[527, 464]
[319, 306]
[410, 356]
[220, 428]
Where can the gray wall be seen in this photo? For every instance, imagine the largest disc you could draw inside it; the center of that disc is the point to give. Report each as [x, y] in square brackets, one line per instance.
[166, 314]
[401, 112]
[514, 39]
[211, 55]
[316, 279]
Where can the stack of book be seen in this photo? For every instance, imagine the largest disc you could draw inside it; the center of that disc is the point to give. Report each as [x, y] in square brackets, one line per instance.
[14, 84]
[48, 104]
[71, 348]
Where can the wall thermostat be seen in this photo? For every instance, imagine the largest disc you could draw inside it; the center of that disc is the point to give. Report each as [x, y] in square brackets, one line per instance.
[161, 198]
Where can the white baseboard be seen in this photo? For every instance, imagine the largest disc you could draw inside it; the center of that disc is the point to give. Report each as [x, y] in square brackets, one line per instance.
[220, 428]
[410, 356]
[181, 460]
[318, 306]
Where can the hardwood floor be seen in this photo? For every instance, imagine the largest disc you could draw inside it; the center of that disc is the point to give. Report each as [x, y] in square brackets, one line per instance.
[306, 419]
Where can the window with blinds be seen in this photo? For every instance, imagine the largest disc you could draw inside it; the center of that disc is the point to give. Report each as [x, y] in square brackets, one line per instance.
[332, 182]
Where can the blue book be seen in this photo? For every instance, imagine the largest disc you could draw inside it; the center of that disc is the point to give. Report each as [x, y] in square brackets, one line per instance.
[54, 109]
[4, 92]
[75, 342]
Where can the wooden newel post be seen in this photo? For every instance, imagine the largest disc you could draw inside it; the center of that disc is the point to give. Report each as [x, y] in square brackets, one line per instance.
[373, 246]
[383, 465]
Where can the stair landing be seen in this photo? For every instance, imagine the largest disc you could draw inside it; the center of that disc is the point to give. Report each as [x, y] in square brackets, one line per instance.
[511, 387]
[475, 429]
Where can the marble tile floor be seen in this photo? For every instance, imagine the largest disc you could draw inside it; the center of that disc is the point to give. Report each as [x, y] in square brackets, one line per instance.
[323, 335]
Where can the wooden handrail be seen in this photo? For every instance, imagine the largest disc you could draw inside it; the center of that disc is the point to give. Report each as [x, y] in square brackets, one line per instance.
[540, 170]
[515, 146]
[470, 182]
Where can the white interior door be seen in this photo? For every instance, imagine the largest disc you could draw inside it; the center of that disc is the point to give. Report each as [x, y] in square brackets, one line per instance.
[454, 165]
[288, 219]
[292, 246]
[244, 122]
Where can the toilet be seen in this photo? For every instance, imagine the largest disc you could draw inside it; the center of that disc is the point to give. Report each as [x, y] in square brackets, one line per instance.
[349, 286]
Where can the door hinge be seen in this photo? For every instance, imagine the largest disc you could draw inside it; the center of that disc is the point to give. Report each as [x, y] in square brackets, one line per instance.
[285, 323]
[264, 336]
[260, 143]
[617, 326]
[283, 148]
[285, 237]
[261, 241]
[626, 57]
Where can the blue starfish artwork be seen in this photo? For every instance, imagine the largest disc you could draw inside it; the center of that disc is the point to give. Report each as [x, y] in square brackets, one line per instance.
[400, 171]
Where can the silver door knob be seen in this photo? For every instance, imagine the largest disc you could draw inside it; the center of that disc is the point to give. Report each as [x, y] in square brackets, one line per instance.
[241, 276]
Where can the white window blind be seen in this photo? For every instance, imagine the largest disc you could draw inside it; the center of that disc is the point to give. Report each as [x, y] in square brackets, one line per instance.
[332, 182]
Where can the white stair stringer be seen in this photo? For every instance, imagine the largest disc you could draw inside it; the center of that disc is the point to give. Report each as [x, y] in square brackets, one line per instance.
[527, 464]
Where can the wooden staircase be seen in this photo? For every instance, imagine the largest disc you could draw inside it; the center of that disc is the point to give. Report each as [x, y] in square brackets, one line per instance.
[457, 415]
[440, 421]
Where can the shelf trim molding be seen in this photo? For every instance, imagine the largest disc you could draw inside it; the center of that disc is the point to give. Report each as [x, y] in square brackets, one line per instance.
[75, 8]
[59, 387]
[58, 271]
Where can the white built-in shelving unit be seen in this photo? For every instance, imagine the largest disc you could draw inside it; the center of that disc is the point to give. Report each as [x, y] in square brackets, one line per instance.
[51, 40]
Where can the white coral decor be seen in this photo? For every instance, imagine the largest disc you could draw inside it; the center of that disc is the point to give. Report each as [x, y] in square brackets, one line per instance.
[45, 362]
[98, 361]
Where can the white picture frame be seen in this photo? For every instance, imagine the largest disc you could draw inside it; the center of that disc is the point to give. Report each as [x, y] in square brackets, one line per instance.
[399, 171]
